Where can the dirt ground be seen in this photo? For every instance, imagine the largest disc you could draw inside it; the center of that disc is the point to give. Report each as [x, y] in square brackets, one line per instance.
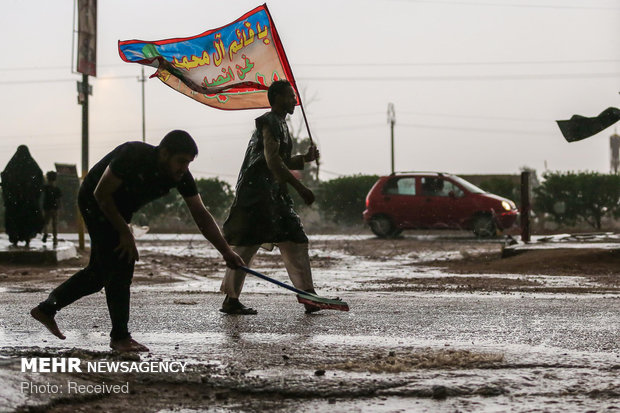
[479, 258]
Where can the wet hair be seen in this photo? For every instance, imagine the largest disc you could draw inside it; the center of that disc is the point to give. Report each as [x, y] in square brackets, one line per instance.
[179, 141]
[277, 88]
[51, 176]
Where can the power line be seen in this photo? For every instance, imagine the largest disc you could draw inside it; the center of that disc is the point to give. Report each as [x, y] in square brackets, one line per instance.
[481, 63]
[556, 76]
[483, 130]
[447, 115]
[63, 67]
[32, 81]
[323, 170]
[368, 64]
[519, 5]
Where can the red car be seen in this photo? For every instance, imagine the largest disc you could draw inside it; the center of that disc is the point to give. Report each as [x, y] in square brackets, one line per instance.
[435, 200]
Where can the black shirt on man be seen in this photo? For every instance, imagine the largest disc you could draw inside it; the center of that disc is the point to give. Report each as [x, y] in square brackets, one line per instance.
[136, 164]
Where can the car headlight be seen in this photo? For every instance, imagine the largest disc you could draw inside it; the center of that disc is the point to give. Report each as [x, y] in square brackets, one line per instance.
[506, 206]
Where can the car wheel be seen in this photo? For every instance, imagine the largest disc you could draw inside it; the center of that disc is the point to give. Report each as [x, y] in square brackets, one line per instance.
[382, 227]
[484, 227]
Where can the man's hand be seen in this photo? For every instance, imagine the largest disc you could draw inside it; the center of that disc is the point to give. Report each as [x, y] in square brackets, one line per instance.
[306, 194]
[233, 260]
[312, 154]
[127, 246]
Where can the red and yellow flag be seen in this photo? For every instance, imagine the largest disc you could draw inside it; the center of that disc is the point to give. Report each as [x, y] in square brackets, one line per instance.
[230, 67]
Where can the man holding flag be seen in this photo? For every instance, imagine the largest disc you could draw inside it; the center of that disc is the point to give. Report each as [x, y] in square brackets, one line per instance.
[262, 212]
[242, 65]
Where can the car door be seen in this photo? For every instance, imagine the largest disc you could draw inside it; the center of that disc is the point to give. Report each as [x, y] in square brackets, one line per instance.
[399, 196]
[442, 199]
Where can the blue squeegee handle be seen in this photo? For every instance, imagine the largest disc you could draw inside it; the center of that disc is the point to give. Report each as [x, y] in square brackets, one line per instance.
[271, 280]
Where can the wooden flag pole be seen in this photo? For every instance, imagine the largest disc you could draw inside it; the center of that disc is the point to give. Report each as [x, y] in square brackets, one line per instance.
[303, 112]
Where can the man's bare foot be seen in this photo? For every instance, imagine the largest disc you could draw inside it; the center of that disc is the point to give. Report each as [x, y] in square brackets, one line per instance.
[47, 321]
[127, 345]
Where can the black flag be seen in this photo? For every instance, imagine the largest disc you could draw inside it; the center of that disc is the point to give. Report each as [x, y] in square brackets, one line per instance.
[579, 127]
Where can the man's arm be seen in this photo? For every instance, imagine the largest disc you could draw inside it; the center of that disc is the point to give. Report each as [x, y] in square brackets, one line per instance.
[278, 168]
[208, 227]
[108, 184]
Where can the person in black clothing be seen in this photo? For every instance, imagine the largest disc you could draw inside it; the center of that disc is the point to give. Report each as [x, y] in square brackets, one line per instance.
[22, 180]
[262, 212]
[129, 177]
[51, 197]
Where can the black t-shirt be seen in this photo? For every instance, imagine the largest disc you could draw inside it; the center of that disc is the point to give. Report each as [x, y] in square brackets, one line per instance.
[136, 164]
[51, 196]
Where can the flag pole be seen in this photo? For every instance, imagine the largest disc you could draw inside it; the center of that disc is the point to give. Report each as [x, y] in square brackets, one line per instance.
[289, 76]
[303, 112]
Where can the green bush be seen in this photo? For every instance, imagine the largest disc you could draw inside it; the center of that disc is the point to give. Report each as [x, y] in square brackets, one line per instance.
[1, 211]
[217, 196]
[504, 188]
[342, 200]
[570, 198]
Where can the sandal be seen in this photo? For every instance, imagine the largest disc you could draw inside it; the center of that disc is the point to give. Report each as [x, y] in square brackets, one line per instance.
[235, 307]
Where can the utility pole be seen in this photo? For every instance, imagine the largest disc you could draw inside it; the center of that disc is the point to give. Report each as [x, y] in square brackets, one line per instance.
[391, 120]
[525, 206]
[84, 90]
[86, 65]
[142, 80]
[614, 146]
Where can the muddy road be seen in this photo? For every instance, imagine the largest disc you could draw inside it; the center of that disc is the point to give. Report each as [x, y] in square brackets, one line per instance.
[427, 331]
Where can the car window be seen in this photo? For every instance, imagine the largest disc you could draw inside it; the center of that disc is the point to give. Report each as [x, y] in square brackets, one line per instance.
[400, 186]
[452, 187]
[468, 185]
[436, 186]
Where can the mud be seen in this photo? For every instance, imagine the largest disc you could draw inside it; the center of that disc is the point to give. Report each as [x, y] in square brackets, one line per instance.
[437, 324]
[396, 362]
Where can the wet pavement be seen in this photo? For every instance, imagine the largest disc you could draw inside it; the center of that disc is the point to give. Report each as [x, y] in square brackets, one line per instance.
[394, 351]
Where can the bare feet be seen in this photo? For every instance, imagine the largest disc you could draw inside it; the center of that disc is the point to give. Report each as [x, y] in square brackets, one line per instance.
[47, 321]
[127, 345]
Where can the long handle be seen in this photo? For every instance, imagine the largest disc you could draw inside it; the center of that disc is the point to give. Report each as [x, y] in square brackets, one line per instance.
[271, 280]
[303, 112]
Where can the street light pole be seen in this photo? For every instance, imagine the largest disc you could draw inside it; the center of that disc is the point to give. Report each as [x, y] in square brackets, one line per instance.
[391, 120]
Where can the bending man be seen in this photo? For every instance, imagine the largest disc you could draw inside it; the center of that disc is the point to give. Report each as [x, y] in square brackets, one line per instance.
[127, 178]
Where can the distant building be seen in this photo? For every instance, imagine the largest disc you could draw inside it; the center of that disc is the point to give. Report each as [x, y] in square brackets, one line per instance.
[69, 184]
[614, 146]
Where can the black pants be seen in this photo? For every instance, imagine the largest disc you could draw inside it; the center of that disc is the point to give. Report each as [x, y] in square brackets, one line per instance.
[105, 270]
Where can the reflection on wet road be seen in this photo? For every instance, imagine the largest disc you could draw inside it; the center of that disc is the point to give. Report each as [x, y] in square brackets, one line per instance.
[555, 350]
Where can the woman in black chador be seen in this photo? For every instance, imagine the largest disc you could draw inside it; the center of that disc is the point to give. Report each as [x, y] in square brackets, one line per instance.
[22, 181]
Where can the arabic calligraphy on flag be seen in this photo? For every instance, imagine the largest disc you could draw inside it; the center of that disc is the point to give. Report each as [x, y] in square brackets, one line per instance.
[227, 68]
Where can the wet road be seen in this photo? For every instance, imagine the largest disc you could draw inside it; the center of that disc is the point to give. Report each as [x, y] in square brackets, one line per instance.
[394, 351]
[557, 351]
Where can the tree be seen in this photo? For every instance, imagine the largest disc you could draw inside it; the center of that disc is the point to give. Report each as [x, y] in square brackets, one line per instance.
[503, 187]
[571, 197]
[343, 199]
[216, 194]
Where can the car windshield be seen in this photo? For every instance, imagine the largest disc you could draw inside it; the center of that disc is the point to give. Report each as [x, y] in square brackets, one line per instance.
[468, 185]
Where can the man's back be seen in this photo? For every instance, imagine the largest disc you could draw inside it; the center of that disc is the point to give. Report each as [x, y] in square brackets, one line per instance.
[136, 164]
